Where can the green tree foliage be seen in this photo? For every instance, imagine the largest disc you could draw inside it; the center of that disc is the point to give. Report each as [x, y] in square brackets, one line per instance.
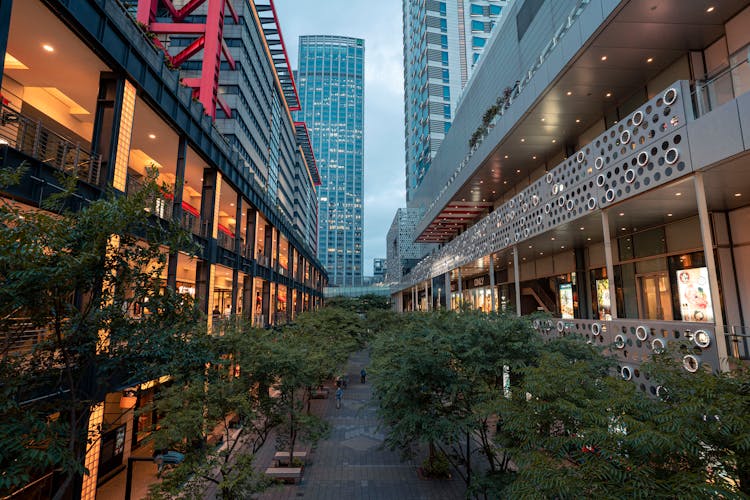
[361, 304]
[68, 284]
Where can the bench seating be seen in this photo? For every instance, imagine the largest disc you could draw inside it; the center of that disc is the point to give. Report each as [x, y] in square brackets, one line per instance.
[286, 474]
[282, 457]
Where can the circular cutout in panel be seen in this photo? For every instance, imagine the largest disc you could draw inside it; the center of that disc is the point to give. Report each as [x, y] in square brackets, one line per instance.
[610, 194]
[512, 214]
[535, 200]
[660, 391]
[536, 324]
[671, 156]
[569, 205]
[580, 157]
[554, 190]
[549, 177]
[629, 176]
[526, 232]
[690, 363]
[507, 241]
[641, 332]
[642, 159]
[596, 328]
[560, 326]
[517, 236]
[547, 208]
[591, 204]
[599, 162]
[538, 220]
[670, 96]
[561, 201]
[637, 118]
[600, 180]
[619, 341]
[525, 207]
[625, 137]
[701, 338]
[626, 373]
[657, 345]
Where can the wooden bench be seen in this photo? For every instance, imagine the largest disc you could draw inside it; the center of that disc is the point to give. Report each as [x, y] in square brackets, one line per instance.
[282, 457]
[286, 474]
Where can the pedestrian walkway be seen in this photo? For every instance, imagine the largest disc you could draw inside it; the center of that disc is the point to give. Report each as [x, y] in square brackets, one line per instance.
[352, 464]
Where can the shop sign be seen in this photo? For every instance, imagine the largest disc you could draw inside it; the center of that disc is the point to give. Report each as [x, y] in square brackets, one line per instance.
[566, 300]
[695, 295]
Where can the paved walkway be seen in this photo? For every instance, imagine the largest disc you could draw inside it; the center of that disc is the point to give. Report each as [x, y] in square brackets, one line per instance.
[351, 464]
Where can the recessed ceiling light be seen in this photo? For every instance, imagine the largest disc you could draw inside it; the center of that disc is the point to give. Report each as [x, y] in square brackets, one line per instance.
[493, 192]
[669, 215]
[506, 157]
[505, 182]
[151, 136]
[518, 171]
[554, 141]
[523, 140]
[581, 228]
[481, 182]
[622, 213]
[737, 195]
[588, 239]
[562, 246]
[48, 47]
[678, 194]
[569, 92]
[650, 60]
[531, 246]
[608, 94]
[710, 9]
[542, 119]
[604, 58]
[553, 238]
[533, 157]
[623, 228]
[578, 120]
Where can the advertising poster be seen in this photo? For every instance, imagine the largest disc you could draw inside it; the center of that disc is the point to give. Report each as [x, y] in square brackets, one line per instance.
[602, 299]
[695, 295]
[566, 300]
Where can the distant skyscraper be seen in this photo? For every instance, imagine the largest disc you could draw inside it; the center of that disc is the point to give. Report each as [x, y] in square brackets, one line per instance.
[443, 40]
[331, 88]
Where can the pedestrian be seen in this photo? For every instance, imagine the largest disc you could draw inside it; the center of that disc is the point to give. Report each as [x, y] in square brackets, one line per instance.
[339, 395]
[362, 375]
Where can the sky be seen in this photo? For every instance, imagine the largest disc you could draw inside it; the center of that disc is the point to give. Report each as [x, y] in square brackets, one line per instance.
[379, 23]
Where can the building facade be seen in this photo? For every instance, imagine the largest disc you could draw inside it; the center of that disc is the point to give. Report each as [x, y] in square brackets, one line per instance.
[443, 41]
[108, 104]
[402, 252]
[379, 269]
[608, 188]
[331, 86]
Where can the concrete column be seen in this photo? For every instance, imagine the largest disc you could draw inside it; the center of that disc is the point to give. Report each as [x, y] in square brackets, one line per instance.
[493, 302]
[610, 267]
[517, 279]
[427, 297]
[177, 207]
[238, 252]
[448, 291]
[713, 280]
[460, 289]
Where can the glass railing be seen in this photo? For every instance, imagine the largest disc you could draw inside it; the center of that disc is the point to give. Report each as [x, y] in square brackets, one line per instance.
[727, 85]
[33, 138]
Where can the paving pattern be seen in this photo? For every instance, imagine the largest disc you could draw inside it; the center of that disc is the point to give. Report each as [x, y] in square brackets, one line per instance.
[351, 464]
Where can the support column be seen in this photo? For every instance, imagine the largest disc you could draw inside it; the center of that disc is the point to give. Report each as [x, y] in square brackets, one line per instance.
[413, 298]
[517, 280]
[177, 208]
[448, 293]
[460, 289]
[427, 298]
[713, 277]
[237, 254]
[493, 302]
[610, 266]
[5, 9]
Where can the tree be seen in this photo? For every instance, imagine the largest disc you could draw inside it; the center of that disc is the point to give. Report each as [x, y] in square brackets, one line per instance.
[69, 280]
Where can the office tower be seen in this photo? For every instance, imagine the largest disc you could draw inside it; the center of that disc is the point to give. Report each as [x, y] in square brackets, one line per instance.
[608, 187]
[443, 41]
[379, 269]
[331, 87]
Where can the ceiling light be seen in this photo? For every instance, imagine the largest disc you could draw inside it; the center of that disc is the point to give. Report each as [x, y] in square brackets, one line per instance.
[506, 157]
[588, 239]
[569, 92]
[231, 204]
[581, 228]
[505, 182]
[650, 60]
[562, 246]
[622, 213]
[518, 171]
[554, 141]
[737, 195]
[623, 228]
[493, 192]
[523, 140]
[669, 215]
[678, 194]
[533, 157]
[608, 94]
[578, 120]
[542, 119]
[151, 136]
[604, 58]
[48, 47]
[710, 9]
[541, 253]
[553, 238]
[531, 246]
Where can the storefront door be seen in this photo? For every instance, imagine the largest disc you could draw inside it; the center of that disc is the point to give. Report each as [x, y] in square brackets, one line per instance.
[654, 299]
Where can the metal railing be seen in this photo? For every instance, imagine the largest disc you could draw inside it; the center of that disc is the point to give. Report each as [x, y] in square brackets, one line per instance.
[20, 336]
[161, 206]
[721, 88]
[738, 341]
[33, 138]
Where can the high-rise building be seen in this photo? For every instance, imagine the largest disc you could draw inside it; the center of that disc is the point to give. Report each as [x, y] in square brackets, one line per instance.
[608, 186]
[331, 87]
[379, 268]
[443, 41]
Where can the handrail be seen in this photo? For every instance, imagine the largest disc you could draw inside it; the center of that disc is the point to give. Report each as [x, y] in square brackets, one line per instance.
[33, 138]
[702, 91]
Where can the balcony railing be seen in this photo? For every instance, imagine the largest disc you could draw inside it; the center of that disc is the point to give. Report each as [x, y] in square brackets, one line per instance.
[721, 88]
[20, 337]
[161, 206]
[34, 139]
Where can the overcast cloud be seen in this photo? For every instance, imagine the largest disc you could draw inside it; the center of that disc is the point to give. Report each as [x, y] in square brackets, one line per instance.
[379, 23]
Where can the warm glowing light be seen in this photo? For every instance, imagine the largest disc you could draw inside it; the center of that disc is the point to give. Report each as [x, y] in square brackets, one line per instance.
[152, 136]
[678, 194]
[737, 195]
[650, 60]
[569, 92]
[604, 58]
[48, 47]
[710, 9]
[608, 94]
[578, 120]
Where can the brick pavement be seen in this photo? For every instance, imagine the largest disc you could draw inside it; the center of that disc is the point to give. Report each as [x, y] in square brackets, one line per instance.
[351, 464]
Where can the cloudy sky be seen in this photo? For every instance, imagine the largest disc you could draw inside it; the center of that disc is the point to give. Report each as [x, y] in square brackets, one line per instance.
[379, 23]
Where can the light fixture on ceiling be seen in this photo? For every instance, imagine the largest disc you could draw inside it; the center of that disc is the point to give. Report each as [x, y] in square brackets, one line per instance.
[541, 253]
[581, 228]
[518, 171]
[562, 246]
[523, 140]
[533, 157]
[650, 60]
[737, 195]
[622, 213]
[608, 94]
[678, 194]
[578, 120]
[553, 238]
[588, 239]
[604, 58]
[543, 118]
[569, 92]
[152, 136]
[623, 228]
[710, 9]
[506, 157]
[48, 47]
[669, 215]
[554, 141]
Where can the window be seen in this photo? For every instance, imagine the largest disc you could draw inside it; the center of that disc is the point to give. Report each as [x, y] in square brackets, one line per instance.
[444, 41]
[442, 8]
[446, 93]
[495, 10]
[477, 10]
[478, 41]
[477, 25]
[446, 75]
[447, 111]
[444, 56]
[447, 126]
[443, 25]
[475, 57]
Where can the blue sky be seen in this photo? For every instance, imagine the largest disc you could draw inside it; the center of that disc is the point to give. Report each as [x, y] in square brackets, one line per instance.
[379, 23]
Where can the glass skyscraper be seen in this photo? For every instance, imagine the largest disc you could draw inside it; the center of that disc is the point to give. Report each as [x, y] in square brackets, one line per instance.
[331, 88]
[443, 40]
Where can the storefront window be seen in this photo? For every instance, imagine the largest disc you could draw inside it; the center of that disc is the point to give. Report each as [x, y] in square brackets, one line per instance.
[691, 298]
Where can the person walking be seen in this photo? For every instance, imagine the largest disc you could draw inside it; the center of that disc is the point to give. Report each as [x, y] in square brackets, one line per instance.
[339, 395]
[362, 375]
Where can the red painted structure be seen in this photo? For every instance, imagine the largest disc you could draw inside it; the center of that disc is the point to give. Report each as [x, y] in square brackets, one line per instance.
[210, 40]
